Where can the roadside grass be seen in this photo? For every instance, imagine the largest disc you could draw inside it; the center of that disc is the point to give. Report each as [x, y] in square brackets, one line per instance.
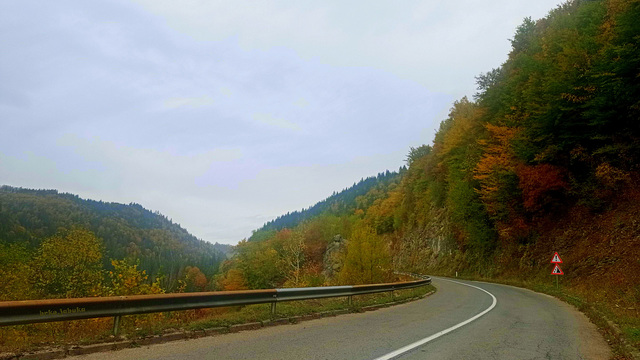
[24, 338]
[633, 333]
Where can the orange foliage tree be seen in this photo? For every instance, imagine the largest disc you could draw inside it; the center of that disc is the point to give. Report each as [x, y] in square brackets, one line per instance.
[497, 162]
[195, 280]
[233, 280]
[497, 173]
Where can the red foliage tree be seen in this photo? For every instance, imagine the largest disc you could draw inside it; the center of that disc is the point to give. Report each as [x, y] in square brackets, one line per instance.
[540, 185]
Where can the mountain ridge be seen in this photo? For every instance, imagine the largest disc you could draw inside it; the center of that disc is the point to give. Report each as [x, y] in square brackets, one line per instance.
[129, 231]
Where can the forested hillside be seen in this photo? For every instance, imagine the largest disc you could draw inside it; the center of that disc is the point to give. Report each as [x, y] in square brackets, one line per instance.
[545, 158]
[340, 203]
[45, 231]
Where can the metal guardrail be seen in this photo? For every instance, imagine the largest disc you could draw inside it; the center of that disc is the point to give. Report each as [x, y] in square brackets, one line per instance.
[36, 311]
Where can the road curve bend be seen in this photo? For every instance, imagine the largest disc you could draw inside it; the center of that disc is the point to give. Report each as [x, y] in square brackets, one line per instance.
[462, 320]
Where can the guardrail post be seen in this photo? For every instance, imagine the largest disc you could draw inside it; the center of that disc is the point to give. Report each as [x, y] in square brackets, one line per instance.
[350, 301]
[273, 305]
[116, 324]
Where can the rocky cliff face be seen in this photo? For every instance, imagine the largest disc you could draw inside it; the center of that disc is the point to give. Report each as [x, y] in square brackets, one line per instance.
[334, 257]
[421, 246]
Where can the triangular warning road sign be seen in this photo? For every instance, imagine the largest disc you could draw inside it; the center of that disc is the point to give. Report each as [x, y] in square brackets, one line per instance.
[556, 259]
[557, 271]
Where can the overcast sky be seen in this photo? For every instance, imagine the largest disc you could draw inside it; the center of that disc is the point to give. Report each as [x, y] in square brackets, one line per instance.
[224, 115]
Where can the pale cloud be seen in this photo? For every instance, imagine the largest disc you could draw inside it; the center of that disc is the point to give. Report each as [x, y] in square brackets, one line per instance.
[193, 102]
[130, 165]
[226, 91]
[301, 102]
[440, 44]
[271, 120]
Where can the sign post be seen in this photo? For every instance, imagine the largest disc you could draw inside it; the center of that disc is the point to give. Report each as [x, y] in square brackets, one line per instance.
[556, 269]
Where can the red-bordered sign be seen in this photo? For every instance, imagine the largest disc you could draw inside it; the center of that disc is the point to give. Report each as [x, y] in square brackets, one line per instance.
[557, 271]
[556, 259]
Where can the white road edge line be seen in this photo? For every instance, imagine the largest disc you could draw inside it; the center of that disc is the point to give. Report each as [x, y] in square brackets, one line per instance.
[414, 345]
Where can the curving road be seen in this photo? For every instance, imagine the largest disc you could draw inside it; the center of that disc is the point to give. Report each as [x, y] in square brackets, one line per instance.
[462, 320]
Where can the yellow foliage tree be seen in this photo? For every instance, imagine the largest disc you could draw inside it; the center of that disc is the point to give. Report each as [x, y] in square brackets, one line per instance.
[367, 260]
[126, 279]
[16, 276]
[69, 265]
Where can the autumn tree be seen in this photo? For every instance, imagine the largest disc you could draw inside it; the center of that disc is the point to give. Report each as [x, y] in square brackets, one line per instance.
[69, 264]
[194, 279]
[16, 274]
[542, 185]
[232, 280]
[293, 257]
[367, 260]
[260, 264]
[496, 170]
[127, 279]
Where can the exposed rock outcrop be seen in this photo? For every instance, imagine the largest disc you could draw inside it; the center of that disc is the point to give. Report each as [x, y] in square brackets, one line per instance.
[334, 256]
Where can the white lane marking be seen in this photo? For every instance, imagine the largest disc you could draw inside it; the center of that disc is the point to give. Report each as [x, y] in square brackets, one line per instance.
[414, 345]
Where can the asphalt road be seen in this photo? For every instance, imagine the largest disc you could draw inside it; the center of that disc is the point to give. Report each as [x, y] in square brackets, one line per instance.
[517, 324]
